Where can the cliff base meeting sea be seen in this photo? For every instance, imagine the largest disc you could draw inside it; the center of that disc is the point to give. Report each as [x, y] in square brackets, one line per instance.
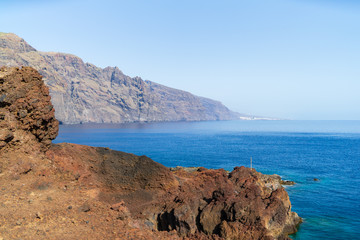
[322, 157]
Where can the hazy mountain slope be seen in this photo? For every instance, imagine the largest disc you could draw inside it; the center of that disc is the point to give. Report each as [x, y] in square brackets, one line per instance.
[82, 92]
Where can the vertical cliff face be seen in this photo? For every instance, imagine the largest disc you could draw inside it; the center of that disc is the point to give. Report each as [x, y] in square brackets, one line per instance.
[82, 92]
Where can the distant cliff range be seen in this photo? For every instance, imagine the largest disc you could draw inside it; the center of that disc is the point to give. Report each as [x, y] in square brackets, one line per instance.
[84, 93]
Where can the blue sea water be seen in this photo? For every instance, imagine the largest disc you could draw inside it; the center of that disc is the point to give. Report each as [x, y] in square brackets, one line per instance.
[296, 150]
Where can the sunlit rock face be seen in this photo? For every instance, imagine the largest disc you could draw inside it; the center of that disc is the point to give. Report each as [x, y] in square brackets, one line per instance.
[82, 92]
[49, 191]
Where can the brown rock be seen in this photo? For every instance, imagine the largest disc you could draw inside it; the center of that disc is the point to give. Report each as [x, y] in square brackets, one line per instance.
[84, 208]
[287, 182]
[23, 119]
[6, 135]
[148, 200]
[122, 209]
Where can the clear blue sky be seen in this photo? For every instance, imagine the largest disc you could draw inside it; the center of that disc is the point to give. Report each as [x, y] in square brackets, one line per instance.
[296, 59]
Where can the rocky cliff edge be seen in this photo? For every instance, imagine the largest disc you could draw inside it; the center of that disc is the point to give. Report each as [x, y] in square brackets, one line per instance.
[69, 191]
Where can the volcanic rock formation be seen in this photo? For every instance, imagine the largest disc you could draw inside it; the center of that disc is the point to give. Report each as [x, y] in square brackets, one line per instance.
[69, 191]
[25, 108]
[82, 92]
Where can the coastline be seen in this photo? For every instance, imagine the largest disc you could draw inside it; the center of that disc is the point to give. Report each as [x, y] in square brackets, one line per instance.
[118, 193]
[299, 151]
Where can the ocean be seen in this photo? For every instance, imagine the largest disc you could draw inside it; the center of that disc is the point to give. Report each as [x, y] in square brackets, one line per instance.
[296, 150]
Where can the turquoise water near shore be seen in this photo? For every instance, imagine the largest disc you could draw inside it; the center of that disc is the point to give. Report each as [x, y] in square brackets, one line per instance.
[296, 150]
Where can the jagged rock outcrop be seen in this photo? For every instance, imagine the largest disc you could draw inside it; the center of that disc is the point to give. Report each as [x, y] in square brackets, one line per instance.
[243, 204]
[26, 113]
[27, 121]
[82, 92]
[69, 191]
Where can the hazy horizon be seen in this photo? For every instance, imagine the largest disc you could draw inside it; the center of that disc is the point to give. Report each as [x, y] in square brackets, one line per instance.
[294, 59]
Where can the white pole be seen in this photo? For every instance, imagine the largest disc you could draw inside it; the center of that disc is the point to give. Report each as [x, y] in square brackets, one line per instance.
[250, 162]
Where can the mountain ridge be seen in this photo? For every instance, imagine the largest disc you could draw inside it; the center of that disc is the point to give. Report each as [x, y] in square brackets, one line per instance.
[84, 93]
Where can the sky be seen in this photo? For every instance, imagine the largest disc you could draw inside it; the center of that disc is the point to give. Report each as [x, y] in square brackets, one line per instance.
[291, 59]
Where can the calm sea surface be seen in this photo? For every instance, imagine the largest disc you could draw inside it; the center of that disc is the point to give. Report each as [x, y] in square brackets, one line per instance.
[296, 150]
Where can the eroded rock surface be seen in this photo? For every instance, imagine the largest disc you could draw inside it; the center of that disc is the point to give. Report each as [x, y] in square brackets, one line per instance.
[26, 113]
[242, 204]
[69, 191]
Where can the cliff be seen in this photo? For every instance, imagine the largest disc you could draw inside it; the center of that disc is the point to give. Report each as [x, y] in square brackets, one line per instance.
[69, 191]
[82, 92]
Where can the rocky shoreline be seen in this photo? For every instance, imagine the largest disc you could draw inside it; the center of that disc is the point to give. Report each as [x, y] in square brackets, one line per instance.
[69, 191]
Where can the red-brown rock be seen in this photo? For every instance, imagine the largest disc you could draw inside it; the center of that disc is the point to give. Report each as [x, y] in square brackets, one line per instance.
[26, 113]
[243, 204]
[69, 191]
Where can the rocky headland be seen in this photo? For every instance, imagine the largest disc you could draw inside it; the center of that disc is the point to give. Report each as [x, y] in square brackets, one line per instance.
[69, 191]
[83, 93]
